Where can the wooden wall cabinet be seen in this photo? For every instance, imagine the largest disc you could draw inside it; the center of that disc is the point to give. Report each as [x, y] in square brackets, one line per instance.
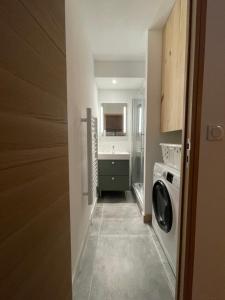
[174, 68]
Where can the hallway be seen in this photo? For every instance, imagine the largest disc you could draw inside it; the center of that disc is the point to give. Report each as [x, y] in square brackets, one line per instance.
[122, 259]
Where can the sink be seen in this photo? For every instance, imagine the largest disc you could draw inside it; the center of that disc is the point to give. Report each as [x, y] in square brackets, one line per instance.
[114, 156]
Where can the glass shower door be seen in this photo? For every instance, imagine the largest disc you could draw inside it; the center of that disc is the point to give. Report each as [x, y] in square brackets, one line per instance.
[138, 148]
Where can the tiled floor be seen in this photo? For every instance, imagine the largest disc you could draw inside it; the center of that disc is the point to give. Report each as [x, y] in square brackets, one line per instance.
[121, 260]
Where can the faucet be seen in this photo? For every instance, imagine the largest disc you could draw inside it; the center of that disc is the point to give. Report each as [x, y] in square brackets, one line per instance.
[113, 149]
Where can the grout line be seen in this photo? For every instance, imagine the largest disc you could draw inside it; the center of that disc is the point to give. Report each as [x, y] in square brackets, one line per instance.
[131, 235]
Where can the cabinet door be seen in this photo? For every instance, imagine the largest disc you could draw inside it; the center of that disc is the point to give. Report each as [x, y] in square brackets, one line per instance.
[113, 167]
[174, 68]
[114, 183]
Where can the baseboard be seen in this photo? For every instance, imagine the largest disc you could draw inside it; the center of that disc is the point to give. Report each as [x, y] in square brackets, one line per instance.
[83, 245]
[78, 266]
[147, 219]
[139, 200]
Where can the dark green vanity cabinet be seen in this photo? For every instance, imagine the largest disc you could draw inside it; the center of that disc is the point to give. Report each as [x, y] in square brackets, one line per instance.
[113, 175]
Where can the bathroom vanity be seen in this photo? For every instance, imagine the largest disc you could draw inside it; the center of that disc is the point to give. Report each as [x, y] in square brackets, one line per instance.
[113, 171]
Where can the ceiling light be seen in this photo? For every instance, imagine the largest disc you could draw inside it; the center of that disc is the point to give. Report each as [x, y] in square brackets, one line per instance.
[114, 81]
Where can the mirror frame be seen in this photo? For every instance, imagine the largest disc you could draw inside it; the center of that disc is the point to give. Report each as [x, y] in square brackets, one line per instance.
[102, 119]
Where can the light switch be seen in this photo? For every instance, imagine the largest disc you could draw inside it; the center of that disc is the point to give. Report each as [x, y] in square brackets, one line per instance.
[215, 132]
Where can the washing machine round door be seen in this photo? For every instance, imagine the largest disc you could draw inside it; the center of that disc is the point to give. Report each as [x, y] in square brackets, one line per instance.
[162, 206]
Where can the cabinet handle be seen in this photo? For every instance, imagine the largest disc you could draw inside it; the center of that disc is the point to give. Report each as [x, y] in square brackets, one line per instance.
[113, 162]
[113, 178]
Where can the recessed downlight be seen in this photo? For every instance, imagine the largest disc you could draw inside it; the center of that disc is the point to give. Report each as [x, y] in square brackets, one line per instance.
[114, 81]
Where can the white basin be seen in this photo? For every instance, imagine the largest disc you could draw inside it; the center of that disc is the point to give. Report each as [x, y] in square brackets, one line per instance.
[114, 156]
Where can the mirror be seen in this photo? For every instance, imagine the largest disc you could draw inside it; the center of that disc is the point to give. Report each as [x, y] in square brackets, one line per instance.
[113, 118]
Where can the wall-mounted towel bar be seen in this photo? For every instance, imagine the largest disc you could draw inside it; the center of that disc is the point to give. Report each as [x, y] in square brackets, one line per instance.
[92, 156]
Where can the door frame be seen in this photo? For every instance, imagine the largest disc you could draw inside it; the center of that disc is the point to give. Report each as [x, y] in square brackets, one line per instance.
[191, 142]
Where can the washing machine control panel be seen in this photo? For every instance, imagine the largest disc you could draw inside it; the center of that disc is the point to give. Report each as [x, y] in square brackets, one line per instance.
[163, 172]
[169, 177]
[172, 179]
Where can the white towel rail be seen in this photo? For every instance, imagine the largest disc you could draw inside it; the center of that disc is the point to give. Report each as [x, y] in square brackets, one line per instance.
[92, 156]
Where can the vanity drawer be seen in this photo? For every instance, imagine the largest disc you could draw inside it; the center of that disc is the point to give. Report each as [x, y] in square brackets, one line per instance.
[113, 167]
[114, 183]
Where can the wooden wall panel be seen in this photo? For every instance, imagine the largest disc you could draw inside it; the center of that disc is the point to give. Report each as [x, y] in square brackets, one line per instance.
[35, 256]
[174, 68]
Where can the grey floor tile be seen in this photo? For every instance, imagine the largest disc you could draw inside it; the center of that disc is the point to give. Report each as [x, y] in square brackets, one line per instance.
[94, 227]
[160, 251]
[98, 211]
[123, 259]
[130, 198]
[129, 226]
[84, 277]
[120, 211]
[128, 268]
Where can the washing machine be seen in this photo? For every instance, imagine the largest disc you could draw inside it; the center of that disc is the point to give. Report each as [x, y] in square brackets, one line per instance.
[165, 198]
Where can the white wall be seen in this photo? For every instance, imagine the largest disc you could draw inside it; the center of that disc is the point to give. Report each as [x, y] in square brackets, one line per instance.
[153, 136]
[81, 94]
[209, 257]
[119, 96]
[120, 69]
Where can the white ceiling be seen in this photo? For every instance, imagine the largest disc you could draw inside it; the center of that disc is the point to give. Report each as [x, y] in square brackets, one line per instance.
[117, 28]
[122, 83]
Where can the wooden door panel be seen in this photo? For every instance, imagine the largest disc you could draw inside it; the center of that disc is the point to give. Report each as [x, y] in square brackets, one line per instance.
[35, 256]
[50, 15]
[33, 101]
[16, 158]
[30, 199]
[26, 267]
[22, 132]
[28, 29]
[20, 59]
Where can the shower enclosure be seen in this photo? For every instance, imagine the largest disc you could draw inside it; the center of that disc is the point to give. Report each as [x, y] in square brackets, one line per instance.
[137, 176]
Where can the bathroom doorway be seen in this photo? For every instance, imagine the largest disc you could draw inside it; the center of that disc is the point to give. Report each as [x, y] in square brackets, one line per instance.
[103, 282]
